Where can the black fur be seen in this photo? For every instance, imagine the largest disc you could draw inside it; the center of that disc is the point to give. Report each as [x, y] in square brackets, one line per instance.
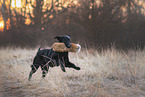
[48, 58]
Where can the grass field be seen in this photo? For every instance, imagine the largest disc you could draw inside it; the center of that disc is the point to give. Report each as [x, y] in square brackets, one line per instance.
[106, 73]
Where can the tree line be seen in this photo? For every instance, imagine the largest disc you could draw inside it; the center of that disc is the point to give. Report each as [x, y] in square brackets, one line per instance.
[89, 22]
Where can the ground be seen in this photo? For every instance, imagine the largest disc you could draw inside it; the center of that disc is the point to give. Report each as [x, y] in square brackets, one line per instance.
[106, 73]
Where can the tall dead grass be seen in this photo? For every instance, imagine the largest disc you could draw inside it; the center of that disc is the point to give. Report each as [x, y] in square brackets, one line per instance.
[109, 73]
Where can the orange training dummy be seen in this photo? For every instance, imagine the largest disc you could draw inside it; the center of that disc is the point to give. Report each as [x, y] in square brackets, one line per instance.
[60, 47]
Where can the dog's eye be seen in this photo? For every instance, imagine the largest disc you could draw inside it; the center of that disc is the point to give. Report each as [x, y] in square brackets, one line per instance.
[66, 39]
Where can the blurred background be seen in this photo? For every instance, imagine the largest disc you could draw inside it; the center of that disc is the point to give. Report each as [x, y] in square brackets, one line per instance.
[92, 23]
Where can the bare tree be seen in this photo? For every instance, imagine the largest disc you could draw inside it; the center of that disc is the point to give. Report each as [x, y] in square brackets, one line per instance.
[101, 20]
[44, 12]
[3, 10]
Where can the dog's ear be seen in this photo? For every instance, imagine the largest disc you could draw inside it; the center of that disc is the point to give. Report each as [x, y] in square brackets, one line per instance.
[58, 38]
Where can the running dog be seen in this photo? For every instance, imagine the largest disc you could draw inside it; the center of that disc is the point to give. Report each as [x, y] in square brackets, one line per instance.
[49, 58]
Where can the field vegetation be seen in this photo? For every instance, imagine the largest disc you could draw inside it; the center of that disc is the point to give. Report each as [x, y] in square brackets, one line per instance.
[106, 73]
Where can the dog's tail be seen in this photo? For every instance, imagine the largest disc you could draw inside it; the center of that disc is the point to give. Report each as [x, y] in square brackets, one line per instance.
[39, 49]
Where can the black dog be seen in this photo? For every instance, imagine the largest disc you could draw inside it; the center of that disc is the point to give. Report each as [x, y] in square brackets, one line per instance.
[48, 58]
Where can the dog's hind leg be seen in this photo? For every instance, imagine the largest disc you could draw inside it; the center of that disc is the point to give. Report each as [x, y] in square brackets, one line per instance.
[34, 68]
[44, 69]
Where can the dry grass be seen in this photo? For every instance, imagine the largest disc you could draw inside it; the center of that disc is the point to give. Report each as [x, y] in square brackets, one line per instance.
[109, 73]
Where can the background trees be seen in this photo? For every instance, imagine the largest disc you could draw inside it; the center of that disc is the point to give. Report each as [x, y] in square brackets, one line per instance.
[95, 22]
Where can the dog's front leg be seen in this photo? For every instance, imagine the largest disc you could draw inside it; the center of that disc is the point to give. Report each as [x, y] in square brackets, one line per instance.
[71, 65]
[68, 63]
[62, 64]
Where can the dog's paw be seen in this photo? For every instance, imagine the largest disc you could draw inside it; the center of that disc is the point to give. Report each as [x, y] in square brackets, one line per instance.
[63, 70]
[78, 68]
[62, 67]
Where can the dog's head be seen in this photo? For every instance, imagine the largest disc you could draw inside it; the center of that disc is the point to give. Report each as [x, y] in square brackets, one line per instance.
[64, 39]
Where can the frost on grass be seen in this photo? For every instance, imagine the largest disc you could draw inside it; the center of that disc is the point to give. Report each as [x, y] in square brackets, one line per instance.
[108, 73]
